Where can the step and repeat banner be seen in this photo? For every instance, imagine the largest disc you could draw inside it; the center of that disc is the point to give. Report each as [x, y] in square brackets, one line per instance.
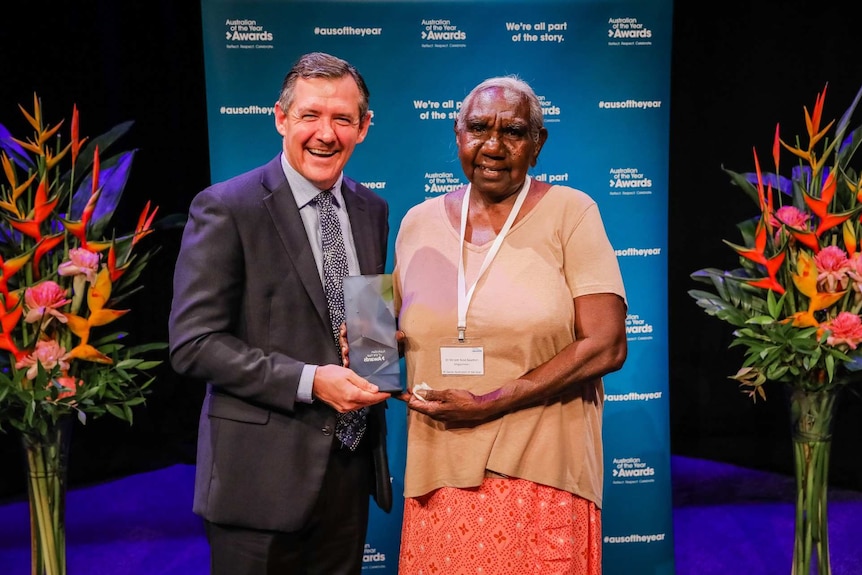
[602, 72]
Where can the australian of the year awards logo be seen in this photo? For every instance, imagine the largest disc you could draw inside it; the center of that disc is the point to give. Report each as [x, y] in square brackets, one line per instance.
[372, 556]
[246, 33]
[628, 32]
[550, 111]
[441, 33]
[441, 183]
[631, 470]
[638, 328]
[629, 182]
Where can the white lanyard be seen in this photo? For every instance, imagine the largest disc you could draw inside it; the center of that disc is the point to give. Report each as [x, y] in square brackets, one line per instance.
[464, 295]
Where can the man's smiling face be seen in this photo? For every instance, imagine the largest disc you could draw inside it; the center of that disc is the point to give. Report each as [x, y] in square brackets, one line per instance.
[322, 127]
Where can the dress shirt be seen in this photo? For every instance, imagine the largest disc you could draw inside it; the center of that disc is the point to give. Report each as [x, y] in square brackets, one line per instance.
[304, 193]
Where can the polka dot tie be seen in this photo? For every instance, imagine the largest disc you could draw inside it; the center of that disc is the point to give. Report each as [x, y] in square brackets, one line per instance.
[349, 426]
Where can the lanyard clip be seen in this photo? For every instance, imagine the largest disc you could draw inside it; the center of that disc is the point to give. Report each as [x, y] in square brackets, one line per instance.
[461, 331]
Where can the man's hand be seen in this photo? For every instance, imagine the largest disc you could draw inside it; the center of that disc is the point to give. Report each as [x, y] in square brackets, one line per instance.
[345, 391]
[342, 343]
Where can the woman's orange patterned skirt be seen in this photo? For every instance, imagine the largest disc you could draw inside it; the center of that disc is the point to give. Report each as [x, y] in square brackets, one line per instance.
[503, 527]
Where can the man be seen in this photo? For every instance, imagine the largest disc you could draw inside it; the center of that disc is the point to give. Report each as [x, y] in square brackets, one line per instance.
[278, 491]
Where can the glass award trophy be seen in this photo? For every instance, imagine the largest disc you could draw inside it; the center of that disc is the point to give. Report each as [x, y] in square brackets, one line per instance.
[369, 313]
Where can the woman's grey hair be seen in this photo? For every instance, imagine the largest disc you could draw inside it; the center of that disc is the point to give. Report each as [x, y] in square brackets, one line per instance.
[322, 65]
[511, 83]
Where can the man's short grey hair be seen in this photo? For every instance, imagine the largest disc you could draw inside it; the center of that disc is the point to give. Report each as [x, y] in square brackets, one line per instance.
[322, 65]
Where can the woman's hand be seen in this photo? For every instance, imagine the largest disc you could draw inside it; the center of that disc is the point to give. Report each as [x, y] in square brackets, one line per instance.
[400, 339]
[456, 405]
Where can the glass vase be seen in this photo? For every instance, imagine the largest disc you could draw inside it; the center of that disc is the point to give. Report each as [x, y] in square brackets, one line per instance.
[46, 458]
[812, 414]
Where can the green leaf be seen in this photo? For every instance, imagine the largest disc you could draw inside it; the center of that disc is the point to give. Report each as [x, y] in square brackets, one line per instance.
[148, 365]
[761, 320]
[116, 411]
[148, 347]
[747, 187]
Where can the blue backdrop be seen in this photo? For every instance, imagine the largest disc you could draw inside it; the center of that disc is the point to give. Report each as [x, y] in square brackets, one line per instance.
[602, 70]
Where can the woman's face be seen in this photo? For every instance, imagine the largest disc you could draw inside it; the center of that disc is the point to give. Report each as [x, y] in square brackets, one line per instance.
[495, 146]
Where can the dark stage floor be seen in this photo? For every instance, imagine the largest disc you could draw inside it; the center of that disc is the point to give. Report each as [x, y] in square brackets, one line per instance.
[727, 520]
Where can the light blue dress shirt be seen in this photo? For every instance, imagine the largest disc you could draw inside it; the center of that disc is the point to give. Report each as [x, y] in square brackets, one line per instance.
[304, 192]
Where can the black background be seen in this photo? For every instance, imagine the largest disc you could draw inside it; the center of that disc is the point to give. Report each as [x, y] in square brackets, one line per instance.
[738, 68]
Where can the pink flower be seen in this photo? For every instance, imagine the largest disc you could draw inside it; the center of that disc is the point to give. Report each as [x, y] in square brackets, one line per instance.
[792, 217]
[44, 298]
[48, 353]
[845, 329]
[81, 262]
[832, 267]
[69, 384]
[855, 271]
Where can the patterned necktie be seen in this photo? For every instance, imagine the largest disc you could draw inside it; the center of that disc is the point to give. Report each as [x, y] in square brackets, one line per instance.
[349, 426]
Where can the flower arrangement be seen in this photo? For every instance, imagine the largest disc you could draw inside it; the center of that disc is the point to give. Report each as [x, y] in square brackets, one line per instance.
[796, 298]
[64, 276]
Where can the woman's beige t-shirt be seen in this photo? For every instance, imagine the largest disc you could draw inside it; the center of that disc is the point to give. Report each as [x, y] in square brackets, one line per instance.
[521, 314]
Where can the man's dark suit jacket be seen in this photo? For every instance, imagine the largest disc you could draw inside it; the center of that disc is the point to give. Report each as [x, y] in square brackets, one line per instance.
[248, 312]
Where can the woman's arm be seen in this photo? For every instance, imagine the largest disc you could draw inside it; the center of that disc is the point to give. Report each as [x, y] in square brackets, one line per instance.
[599, 348]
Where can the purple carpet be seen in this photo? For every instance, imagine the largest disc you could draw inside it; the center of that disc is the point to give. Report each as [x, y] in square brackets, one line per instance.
[730, 520]
[727, 520]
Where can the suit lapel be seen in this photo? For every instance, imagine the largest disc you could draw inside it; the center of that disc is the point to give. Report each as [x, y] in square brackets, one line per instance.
[360, 226]
[288, 224]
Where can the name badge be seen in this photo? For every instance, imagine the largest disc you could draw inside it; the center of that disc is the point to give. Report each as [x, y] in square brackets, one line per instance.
[462, 360]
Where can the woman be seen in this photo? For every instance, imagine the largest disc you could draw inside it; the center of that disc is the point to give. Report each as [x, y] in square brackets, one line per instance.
[512, 309]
